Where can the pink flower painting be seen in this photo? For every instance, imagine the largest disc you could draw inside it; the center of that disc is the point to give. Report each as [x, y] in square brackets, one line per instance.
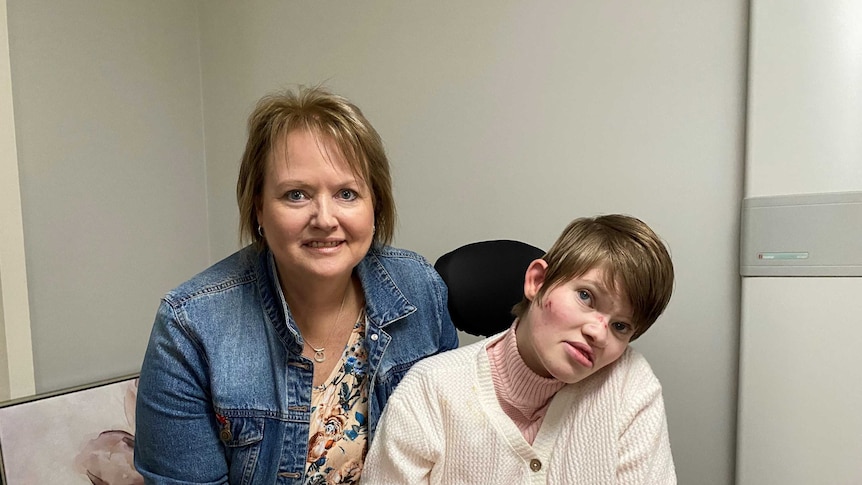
[85, 436]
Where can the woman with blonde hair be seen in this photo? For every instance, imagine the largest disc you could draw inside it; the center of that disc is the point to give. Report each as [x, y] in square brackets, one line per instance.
[274, 364]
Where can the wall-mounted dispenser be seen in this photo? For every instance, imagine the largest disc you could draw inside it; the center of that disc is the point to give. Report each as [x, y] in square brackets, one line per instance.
[802, 235]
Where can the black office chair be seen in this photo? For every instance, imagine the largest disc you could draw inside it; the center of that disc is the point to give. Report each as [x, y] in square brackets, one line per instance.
[485, 280]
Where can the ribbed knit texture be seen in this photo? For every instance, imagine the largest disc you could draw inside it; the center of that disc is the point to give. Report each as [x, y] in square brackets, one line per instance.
[523, 394]
[444, 425]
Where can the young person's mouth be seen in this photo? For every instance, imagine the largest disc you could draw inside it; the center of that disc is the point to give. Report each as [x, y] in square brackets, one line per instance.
[582, 353]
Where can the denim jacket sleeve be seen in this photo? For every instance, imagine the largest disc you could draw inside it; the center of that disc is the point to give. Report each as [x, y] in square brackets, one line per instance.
[449, 337]
[176, 440]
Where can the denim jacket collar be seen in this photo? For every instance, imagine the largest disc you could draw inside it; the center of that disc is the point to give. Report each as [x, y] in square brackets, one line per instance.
[384, 302]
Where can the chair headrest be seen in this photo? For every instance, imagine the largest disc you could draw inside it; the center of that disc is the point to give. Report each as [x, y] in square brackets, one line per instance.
[485, 280]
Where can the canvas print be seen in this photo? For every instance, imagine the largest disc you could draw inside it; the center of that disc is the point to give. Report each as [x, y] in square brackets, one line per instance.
[84, 436]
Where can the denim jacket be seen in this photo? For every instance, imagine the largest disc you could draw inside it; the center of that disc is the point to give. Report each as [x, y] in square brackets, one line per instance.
[224, 391]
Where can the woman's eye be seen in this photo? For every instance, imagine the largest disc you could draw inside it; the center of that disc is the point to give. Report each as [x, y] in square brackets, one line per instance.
[622, 327]
[347, 194]
[294, 195]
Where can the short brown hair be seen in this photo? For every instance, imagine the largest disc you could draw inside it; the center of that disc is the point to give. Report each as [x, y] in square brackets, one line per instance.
[327, 115]
[627, 250]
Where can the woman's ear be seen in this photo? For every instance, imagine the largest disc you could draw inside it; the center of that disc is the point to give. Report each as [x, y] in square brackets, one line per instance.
[258, 215]
[535, 278]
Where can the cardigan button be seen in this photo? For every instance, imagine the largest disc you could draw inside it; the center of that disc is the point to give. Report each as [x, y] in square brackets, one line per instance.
[535, 464]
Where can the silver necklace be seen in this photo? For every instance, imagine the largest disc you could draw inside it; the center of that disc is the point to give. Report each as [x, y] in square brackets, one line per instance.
[325, 385]
[320, 354]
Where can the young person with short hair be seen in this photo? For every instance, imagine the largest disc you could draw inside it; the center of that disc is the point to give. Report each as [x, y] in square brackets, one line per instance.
[559, 397]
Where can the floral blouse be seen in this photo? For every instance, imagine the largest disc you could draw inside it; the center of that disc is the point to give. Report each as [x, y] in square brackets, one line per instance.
[339, 428]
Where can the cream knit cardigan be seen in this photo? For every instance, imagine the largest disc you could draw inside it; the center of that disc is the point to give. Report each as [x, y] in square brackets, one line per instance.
[444, 425]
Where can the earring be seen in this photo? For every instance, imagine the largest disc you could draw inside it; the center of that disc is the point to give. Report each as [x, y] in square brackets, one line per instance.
[260, 230]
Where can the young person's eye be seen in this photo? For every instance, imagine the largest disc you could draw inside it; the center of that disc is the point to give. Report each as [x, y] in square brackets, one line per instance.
[347, 194]
[622, 327]
[585, 296]
[294, 195]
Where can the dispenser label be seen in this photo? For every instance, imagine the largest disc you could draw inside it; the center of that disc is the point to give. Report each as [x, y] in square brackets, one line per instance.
[785, 255]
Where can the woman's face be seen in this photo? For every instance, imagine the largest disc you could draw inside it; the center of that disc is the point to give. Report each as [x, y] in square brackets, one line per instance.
[579, 327]
[317, 216]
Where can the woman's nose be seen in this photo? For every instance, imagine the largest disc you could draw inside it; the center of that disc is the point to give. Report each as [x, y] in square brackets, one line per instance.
[324, 214]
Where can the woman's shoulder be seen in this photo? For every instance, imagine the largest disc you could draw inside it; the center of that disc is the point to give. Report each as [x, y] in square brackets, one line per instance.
[397, 256]
[406, 268]
[237, 269]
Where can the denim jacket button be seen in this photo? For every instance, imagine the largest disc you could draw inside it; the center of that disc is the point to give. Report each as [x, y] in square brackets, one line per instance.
[225, 435]
[374, 337]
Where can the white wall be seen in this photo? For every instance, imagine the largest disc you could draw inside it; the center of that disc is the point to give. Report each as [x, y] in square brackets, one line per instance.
[112, 176]
[799, 420]
[16, 351]
[507, 119]
[805, 109]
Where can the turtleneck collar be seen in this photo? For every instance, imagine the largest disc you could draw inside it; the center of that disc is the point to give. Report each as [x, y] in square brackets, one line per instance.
[523, 394]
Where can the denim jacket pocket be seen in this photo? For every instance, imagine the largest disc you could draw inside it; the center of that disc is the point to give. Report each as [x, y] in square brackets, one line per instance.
[242, 437]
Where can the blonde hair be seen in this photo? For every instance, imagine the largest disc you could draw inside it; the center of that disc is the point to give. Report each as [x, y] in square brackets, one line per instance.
[326, 115]
[627, 250]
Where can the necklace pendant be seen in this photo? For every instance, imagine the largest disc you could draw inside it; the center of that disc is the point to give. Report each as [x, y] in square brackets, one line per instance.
[319, 356]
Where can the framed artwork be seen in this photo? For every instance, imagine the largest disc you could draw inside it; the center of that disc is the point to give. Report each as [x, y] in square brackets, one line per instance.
[84, 435]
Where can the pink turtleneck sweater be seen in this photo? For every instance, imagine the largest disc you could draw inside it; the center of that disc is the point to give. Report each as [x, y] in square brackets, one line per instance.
[523, 394]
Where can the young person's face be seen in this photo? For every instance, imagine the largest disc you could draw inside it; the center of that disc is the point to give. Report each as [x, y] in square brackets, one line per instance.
[579, 327]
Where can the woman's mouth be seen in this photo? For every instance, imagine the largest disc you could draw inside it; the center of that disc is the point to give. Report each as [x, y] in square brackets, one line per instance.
[323, 244]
